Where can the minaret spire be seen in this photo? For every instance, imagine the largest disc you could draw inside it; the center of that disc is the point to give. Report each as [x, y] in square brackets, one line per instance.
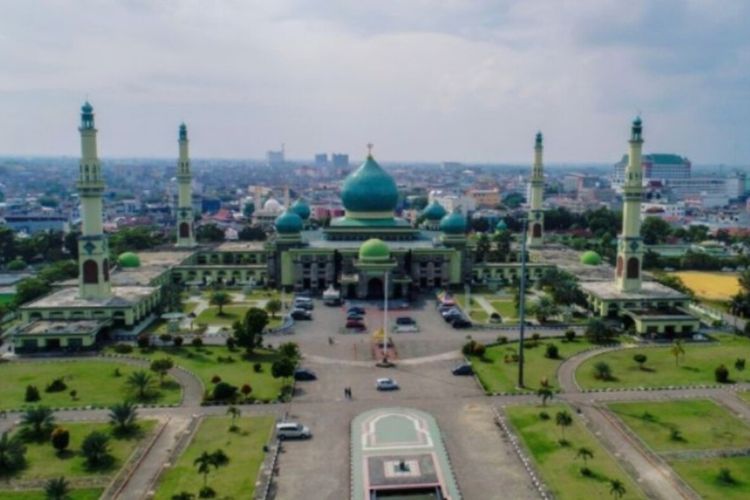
[630, 246]
[536, 214]
[93, 250]
[185, 235]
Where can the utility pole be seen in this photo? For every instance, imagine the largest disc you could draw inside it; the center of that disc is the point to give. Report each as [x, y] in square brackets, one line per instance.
[521, 305]
[385, 318]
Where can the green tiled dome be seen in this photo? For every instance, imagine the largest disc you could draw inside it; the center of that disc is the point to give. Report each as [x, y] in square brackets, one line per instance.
[301, 208]
[369, 189]
[501, 225]
[288, 223]
[129, 259]
[434, 211]
[591, 258]
[453, 223]
[374, 249]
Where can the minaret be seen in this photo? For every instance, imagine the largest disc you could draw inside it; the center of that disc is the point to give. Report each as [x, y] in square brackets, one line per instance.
[536, 214]
[630, 246]
[93, 250]
[185, 237]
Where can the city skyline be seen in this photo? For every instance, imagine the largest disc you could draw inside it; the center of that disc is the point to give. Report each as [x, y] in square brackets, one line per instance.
[470, 81]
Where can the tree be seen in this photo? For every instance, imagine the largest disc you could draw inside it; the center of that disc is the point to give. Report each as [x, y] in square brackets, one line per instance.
[37, 422]
[70, 243]
[585, 454]
[640, 359]
[32, 394]
[29, 289]
[722, 374]
[677, 350]
[544, 308]
[141, 381]
[209, 233]
[290, 350]
[616, 488]
[563, 420]
[220, 298]
[123, 416]
[273, 306]
[552, 351]
[224, 392]
[12, 454]
[483, 247]
[161, 367]
[208, 460]
[171, 298]
[95, 449]
[57, 489]
[248, 333]
[597, 330]
[246, 389]
[251, 233]
[235, 413]
[60, 439]
[544, 393]
[655, 230]
[602, 371]
[502, 240]
[282, 368]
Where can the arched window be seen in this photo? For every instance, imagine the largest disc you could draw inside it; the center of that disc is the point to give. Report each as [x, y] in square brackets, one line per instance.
[184, 230]
[536, 231]
[90, 272]
[634, 268]
[619, 266]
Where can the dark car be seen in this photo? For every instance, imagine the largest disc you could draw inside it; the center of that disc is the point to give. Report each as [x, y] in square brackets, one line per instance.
[461, 323]
[452, 316]
[303, 304]
[356, 310]
[355, 324]
[300, 314]
[304, 374]
[354, 316]
[405, 320]
[462, 369]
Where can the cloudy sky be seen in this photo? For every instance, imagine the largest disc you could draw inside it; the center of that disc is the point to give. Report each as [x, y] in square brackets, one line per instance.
[465, 80]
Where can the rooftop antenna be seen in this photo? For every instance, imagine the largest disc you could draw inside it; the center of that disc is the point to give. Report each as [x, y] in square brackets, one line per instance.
[369, 148]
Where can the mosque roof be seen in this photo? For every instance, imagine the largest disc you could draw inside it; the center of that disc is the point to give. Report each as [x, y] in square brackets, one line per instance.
[369, 189]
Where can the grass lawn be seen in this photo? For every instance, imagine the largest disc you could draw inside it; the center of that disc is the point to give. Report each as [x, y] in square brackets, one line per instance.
[188, 307]
[506, 308]
[558, 464]
[204, 363]
[498, 376]
[83, 494]
[713, 286]
[95, 382]
[744, 395]
[695, 367]
[43, 462]
[702, 475]
[210, 316]
[703, 425]
[243, 447]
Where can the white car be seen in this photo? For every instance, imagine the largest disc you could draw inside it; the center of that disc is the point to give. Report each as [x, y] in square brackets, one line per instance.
[386, 384]
[292, 430]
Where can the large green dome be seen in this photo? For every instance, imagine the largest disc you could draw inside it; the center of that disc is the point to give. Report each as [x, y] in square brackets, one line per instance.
[369, 189]
[453, 223]
[374, 249]
[128, 259]
[288, 223]
[301, 208]
[434, 211]
[591, 258]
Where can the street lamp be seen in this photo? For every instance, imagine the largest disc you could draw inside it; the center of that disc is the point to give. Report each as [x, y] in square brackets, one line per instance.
[385, 318]
[521, 303]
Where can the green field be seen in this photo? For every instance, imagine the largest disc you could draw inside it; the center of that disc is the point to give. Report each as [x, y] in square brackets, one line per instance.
[702, 475]
[95, 382]
[497, 375]
[695, 367]
[243, 447]
[506, 308]
[702, 424]
[558, 465]
[204, 363]
[210, 316]
[43, 463]
[82, 494]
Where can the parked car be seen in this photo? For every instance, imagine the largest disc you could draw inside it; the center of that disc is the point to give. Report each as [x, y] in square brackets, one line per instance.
[356, 324]
[355, 310]
[304, 374]
[461, 323]
[451, 316]
[405, 328]
[299, 314]
[292, 430]
[462, 369]
[303, 304]
[386, 384]
[355, 316]
[445, 307]
[405, 320]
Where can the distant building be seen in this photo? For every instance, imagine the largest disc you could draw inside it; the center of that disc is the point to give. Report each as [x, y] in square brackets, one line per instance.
[656, 166]
[340, 160]
[37, 222]
[276, 158]
[451, 201]
[321, 160]
[485, 198]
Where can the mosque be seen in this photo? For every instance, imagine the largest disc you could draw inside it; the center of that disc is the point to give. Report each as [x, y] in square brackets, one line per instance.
[365, 254]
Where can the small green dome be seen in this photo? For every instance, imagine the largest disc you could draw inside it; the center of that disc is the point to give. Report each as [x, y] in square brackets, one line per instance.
[374, 249]
[434, 211]
[288, 223]
[453, 223]
[129, 259]
[369, 189]
[301, 208]
[501, 225]
[591, 258]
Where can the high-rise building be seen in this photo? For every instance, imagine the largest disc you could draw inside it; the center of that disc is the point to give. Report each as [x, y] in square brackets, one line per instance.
[658, 166]
[536, 214]
[276, 158]
[340, 160]
[321, 160]
[93, 249]
[185, 237]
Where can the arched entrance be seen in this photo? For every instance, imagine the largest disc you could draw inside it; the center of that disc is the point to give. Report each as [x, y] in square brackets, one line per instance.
[536, 231]
[375, 288]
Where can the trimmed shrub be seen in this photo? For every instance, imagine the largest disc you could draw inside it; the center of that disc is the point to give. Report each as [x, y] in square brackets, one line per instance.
[552, 351]
[197, 342]
[165, 337]
[143, 342]
[570, 335]
[502, 339]
[257, 367]
[177, 341]
[722, 374]
[224, 392]
[32, 394]
[602, 371]
[57, 385]
[123, 348]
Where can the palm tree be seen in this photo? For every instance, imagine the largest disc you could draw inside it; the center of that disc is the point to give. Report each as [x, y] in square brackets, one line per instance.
[234, 412]
[563, 419]
[677, 350]
[139, 380]
[204, 463]
[38, 421]
[221, 299]
[12, 453]
[616, 488]
[123, 415]
[545, 393]
[584, 453]
[57, 489]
